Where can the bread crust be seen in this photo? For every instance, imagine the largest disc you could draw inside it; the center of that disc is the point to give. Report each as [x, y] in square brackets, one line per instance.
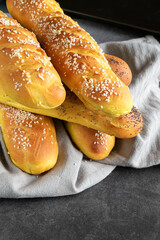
[26, 73]
[73, 110]
[30, 139]
[76, 56]
[120, 68]
[95, 144]
[99, 85]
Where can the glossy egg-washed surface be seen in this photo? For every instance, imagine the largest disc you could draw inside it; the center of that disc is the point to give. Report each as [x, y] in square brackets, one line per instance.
[94, 144]
[27, 76]
[75, 55]
[22, 82]
[30, 139]
[73, 110]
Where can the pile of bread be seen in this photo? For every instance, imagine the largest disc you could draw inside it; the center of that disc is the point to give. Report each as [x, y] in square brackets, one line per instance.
[69, 79]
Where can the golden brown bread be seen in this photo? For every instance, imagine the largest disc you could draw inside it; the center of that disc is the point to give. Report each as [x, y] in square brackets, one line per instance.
[120, 68]
[94, 144]
[30, 139]
[27, 76]
[73, 110]
[76, 56]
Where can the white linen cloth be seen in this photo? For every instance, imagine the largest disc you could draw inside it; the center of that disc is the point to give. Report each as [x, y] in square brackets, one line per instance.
[73, 173]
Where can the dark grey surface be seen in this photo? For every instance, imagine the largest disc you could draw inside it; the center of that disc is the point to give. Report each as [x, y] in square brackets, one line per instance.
[140, 13]
[124, 206]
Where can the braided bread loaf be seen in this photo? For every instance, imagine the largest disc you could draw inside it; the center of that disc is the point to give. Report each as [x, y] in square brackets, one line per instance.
[26, 75]
[75, 55]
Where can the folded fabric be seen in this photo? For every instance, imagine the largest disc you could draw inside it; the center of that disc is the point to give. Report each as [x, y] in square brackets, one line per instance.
[74, 173]
[143, 57]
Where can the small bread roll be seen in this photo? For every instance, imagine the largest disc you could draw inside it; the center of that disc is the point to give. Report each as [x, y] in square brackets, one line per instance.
[30, 139]
[120, 68]
[94, 144]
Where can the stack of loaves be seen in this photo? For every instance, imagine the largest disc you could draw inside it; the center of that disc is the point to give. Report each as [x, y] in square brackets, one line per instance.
[94, 100]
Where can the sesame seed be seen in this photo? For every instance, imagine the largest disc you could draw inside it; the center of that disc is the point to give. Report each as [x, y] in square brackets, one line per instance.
[19, 120]
[64, 36]
[101, 138]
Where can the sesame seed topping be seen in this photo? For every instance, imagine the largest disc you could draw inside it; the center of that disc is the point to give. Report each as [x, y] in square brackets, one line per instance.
[8, 22]
[101, 138]
[19, 122]
[73, 49]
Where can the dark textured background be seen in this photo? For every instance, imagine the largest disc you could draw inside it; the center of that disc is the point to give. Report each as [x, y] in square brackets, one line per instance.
[124, 206]
[140, 13]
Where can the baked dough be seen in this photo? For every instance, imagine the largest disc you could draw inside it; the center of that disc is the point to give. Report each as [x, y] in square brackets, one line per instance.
[30, 139]
[95, 144]
[27, 76]
[76, 56]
